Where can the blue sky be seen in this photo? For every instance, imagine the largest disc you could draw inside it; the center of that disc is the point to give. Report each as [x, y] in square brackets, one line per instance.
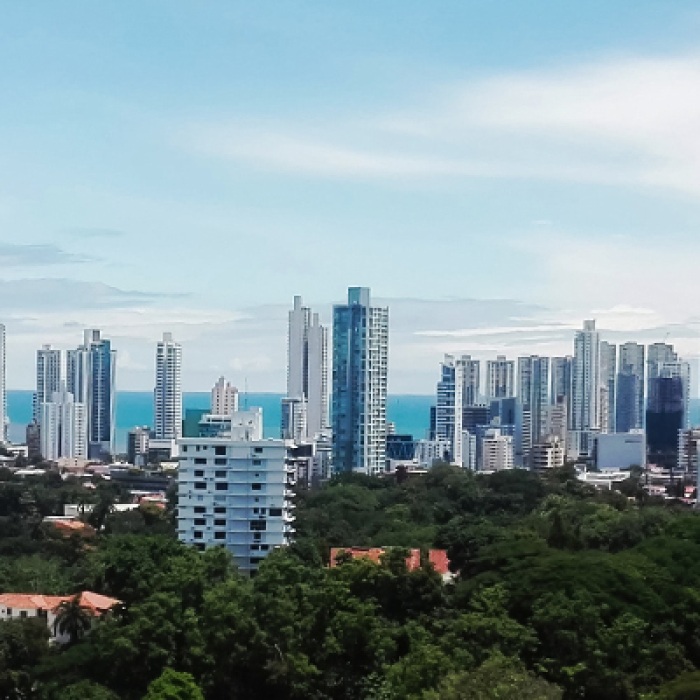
[495, 171]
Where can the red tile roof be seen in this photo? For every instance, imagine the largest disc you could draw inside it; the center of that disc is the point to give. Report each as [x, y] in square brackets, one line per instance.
[94, 602]
[437, 557]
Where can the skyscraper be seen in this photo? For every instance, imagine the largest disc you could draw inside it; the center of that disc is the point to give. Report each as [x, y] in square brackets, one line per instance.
[664, 417]
[48, 378]
[500, 378]
[360, 357]
[629, 397]
[450, 404]
[63, 427]
[585, 387]
[167, 395]
[561, 380]
[533, 392]
[608, 374]
[307, 365]
[91, 373]
[3, 387]
[224, 398]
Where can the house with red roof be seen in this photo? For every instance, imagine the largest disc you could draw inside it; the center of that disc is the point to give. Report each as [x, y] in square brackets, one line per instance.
[17, 606]
[437, 557]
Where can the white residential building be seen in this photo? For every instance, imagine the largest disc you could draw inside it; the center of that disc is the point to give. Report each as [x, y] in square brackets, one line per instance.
[167, 395]
[430, 451]
[48, 377]
[497, 451]
[585, 388]
[449, 409]
[469, 451]
[294, 419]
[235, 493]
[63, 427]
[546, 455]
[360, 372]
[307, 365]
[500, 378]
[224, 398]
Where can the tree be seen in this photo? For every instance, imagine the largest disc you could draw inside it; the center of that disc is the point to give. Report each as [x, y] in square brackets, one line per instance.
[72, 619]
[85, 690]
[174, 685]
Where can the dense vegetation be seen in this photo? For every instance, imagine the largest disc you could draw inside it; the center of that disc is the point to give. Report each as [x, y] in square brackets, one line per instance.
[562, 592]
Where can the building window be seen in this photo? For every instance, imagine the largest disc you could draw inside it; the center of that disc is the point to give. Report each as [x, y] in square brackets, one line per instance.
[220, 450]
[257, 462]
[184, 448]
[256, 487]
[199, 472]
[219, 510]
[220, 473]
[254, 547]
[275, 512]
[219, 523]
[257, 450]
[9, 612]
[200, 521]
[257, 536]
[198, 534]
[220, 535]
[200, 485]
[222, 487]
[258, 525]
[199, 509]
[200, 460]
[264, 547]
[220, 461]
[256, 560]
[23, 613]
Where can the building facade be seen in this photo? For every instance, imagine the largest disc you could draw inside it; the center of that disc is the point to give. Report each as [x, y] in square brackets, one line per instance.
[63, 428]
[3, 387]
[629, 398]
[360, 369]
[167, 394]
[90, 378]
[224, 398]
[500, 378]
[585, 415]
[48, 377]
[608, 376]
[235, 493]
[533, 392]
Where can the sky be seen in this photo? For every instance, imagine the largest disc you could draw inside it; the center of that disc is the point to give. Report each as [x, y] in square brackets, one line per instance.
[496, 172]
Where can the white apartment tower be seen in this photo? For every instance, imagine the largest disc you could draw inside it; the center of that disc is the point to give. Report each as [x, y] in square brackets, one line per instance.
[224, 398]
[500, 378]
[48, 377]
[3, 387]
[585, 379]
[497, 451]
[90, 378]
[167, 394]
[235, 492]
[63, 427]
[533, 392]
[307, 365]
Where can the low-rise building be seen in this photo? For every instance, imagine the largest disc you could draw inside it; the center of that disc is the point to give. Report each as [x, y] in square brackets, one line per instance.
[547, 455]
[437, 557]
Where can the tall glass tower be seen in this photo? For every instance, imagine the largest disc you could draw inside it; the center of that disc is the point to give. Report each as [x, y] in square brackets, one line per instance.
[167, 395]
[360, 367]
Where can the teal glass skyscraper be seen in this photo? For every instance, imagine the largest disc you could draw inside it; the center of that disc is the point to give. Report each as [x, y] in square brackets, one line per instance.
[360, 368]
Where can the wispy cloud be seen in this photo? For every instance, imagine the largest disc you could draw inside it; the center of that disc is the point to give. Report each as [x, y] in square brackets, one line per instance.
[632, 121]
[37, 255]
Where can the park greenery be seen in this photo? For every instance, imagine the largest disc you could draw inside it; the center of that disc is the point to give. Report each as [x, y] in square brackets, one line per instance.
[560, 591]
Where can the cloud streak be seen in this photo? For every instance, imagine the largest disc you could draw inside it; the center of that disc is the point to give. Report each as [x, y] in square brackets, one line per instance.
[38, 255]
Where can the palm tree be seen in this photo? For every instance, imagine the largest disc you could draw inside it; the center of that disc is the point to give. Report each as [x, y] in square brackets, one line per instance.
[72, 619]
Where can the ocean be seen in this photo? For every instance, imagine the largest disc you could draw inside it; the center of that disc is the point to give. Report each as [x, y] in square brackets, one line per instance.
[410, 413]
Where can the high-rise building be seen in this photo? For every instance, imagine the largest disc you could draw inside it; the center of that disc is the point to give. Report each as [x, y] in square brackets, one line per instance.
[657, 355]
[664, 416]
[608, 374]
[307, 365]
[360, 368]
[224, 398]
[681, 369]
[585, 379]
[48, 377]
[629, 396]
[90, 378]
[167, 394]
[3, 387]
[500, 378]
[496, 451]
[235, 492]
[533, 392]
[294, 419]
[560, 388]
[137, 443]
[63, 427]
[450, 404]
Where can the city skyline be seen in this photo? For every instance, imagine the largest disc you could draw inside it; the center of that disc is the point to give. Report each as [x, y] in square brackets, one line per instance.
[413, 137]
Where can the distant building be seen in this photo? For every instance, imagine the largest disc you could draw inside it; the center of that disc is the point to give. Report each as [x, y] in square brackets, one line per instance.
[48, 378]
[33, 439]
[585, 414]
[500, 378]
[560, 387]
[137, 445]
[533, 392]
[235, 493]
[450, 404]
[665, 414]
[620, 451]
[167, 395]
[688, 445]
[608, 376]
[629, 405]
[400, 447]
[546, 455]
[435, 557]
[63, 427]
[3, 387]
[224, 398]
[497, 451]
[294, 419]
[360, 368]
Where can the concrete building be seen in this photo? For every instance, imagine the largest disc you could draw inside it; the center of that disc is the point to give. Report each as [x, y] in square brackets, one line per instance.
[500, 378]
[469, 451]
[560, 386]
[450, 405]
[48, 378]
[497, 451]
[608, 375]
[665, 415]
[235, 493]
[294, 419]
[629, 401]
[138, 441]
[307, 365]
[90, 377]
[360, 368]
[430, 451]
[63, 427]
[167, 395]
[533, 393]
[546, 455]
[688, 444]
[585, 416]
[620, 451]
[224, 398]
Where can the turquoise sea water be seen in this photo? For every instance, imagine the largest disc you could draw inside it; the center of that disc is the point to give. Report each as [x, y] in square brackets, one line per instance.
[410, 413]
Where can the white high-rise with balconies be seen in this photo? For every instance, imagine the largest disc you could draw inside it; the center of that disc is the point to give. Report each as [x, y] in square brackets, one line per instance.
[167, 395]
[224, 398]
[307, 365]
[500, 378]
[585, 412]
[49, 373]
[63, 427]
